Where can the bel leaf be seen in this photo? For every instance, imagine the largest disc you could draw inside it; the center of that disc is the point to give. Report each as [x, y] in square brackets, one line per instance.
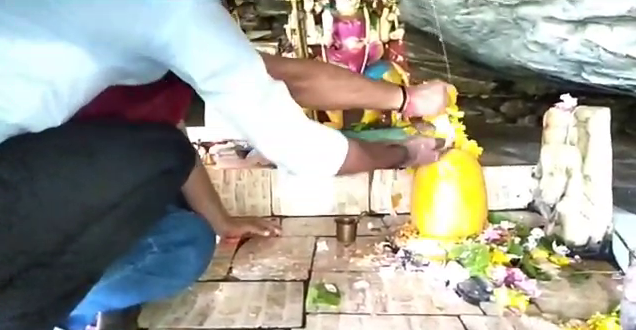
[532, 270]
[515, 249]
[323, 294]
[475, 257]
[496, 218]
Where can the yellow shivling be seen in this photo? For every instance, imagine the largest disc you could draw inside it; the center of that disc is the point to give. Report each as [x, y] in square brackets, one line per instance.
[448, 200]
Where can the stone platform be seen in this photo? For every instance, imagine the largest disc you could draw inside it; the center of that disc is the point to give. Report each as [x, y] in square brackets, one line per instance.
[263, 282]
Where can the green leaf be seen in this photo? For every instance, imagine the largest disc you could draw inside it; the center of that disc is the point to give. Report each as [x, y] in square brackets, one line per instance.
[456, 251]
[532, 270]
[578, 278]
[357, 127]
[522, 231]
[475, 257]
[312, 295]
[515, 248]
[546, 242]
[323, 294]
[496, 218]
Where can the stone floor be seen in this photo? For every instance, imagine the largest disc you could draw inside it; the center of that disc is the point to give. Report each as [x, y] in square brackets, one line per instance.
[262, 283]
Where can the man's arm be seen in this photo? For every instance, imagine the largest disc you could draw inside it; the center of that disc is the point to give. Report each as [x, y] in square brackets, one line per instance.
[319, 85]
[201, 195]
[201, 43]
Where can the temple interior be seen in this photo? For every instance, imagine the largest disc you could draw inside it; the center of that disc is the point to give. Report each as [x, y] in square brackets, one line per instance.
[319, 275]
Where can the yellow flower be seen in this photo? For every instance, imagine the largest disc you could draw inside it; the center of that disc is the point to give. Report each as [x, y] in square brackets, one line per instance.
[599, 321]
[519, 302]
[559, 260]
[450, 124]
[539, 254]
[512, 299]
[498, 257]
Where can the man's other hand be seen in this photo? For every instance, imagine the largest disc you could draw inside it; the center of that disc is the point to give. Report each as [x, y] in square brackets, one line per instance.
[424, 150]
[427, 99]
[236, 228]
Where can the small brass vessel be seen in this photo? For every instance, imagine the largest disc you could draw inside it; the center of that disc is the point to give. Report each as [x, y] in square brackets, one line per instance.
[346, 229]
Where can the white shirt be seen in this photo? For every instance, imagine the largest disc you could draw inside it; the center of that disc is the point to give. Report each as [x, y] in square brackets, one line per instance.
[56, 55]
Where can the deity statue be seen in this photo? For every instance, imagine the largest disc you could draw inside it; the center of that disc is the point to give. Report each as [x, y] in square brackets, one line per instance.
[363, 36]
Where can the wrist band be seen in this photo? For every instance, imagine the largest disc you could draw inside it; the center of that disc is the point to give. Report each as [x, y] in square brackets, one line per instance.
[405, 99]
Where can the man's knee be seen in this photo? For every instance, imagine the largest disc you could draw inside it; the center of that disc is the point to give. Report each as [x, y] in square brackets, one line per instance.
[190, 243]
[198, 253]
[173, 256]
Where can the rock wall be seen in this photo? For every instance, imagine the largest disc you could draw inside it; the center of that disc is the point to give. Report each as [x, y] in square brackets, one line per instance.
[586, 41]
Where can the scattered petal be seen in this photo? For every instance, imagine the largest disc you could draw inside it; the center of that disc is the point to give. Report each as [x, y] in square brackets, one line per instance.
[567, 102]
[322, 246]
[561, 250]
[539, 254]
[361, 285]
[559, 260]
[331, 288]
[531, 244]
[537, 233]
[498, 257]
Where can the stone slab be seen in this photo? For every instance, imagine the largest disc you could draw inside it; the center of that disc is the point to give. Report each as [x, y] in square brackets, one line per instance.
[399, 294]
[229, 305]
[325, 226]
[508, 188]
[220, 265]
[362, 256]
[486, 323]
[319, 196]
[527, 218]
[390, 191]
[395, 222]
[244, 192]
[494, 309]
[381, 322]
[473, 322]
[578, 297]
[277, 258]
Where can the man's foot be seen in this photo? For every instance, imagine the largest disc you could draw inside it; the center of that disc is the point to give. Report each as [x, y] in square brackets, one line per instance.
[124, 319]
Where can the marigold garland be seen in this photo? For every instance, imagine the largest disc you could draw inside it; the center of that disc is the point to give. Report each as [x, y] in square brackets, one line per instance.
[449, 126]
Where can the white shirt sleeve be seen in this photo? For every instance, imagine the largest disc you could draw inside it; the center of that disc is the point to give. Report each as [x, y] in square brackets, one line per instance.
[205, 47]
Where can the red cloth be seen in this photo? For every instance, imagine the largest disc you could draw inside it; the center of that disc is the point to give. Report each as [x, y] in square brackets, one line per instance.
[166, 101]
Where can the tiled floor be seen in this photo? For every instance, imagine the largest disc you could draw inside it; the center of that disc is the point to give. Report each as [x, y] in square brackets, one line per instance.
[263, 285]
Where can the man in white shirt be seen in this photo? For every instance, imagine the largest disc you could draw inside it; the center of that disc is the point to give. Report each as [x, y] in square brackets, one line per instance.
[83, 194]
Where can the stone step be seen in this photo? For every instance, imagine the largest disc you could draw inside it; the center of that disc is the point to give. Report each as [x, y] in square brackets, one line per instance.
[265, 192]
[229, 305]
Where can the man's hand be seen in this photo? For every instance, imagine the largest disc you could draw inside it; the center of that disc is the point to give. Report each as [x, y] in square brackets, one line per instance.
[236, 228]
[427, 99]
[424, 150]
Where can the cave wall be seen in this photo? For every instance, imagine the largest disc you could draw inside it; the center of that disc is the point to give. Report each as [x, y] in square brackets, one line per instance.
[586, 41]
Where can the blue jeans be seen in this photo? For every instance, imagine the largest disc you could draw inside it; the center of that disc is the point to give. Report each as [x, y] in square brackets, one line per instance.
[169, 259]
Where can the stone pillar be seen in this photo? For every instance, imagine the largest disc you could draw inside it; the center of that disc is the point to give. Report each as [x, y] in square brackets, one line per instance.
[575, 174]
